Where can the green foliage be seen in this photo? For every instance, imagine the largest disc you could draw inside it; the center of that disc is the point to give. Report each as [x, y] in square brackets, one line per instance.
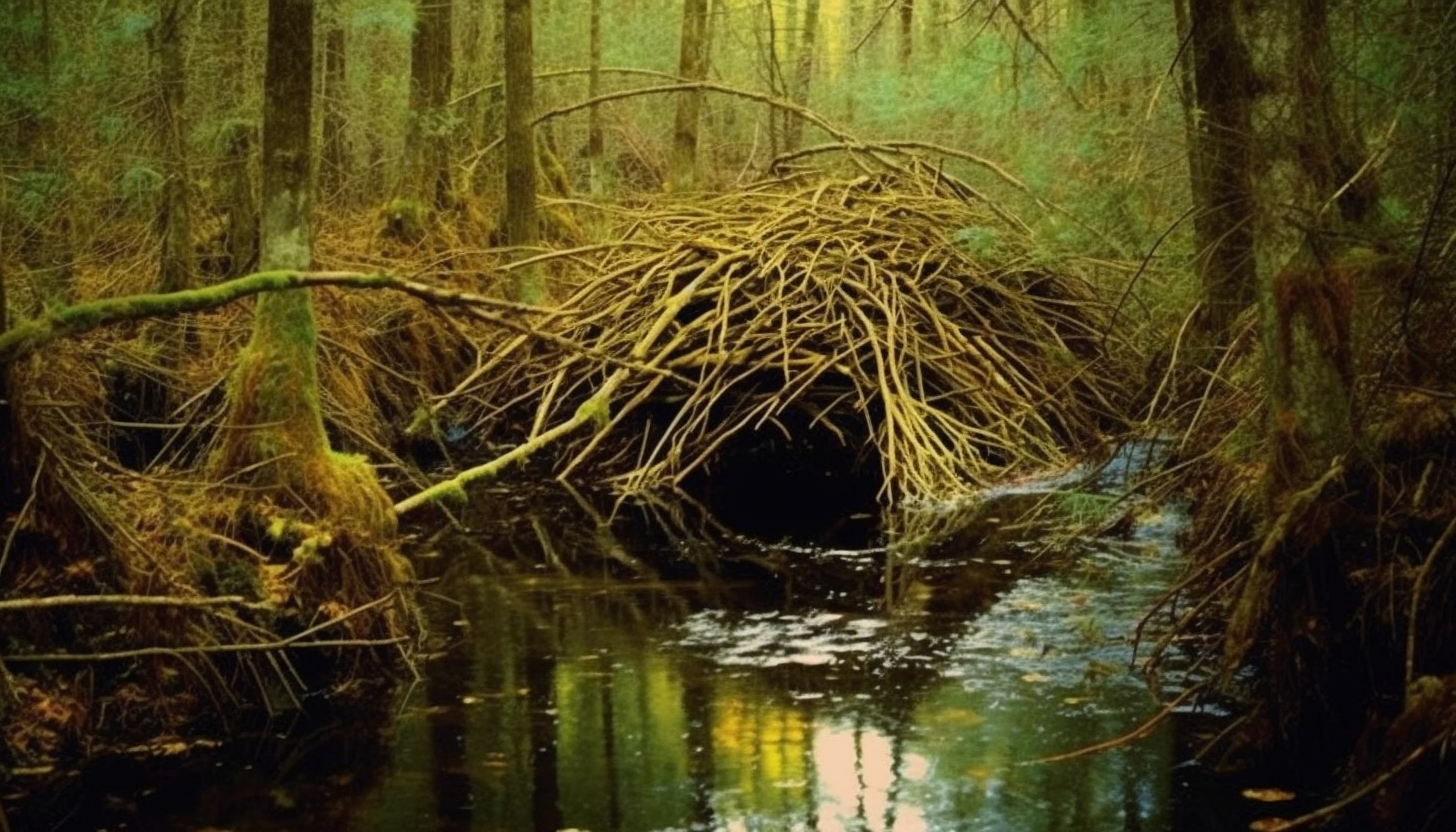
[221, 137]
[128, 28]
[139, 184]
[406, 220]
[1394, 210]
[36, 193]
[439, 124]
[977, 242]
[390, 15]
[1085, 509]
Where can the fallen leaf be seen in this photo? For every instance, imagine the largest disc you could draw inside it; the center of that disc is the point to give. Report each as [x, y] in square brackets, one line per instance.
[1035, 678]
[1268, 795]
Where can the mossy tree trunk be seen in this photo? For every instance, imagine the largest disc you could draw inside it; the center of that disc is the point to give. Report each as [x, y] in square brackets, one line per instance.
[1306, 308]
[521, 226]
[692, 65]
[431, 75]
[275, 435]
[178, 267]
[1223, 79]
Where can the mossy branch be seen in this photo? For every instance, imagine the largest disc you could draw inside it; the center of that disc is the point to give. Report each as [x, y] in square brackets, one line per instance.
[71, 321]
[454, 488]
[595, 410]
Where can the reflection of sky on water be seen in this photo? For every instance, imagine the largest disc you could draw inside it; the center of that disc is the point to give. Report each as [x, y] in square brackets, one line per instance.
[1042, 672]
[858, 777]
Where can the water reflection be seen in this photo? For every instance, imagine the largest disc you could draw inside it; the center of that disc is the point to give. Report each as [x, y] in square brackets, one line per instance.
[633, 668]
[627, 693]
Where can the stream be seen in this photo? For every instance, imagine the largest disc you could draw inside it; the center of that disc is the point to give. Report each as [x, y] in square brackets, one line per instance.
[616, 665]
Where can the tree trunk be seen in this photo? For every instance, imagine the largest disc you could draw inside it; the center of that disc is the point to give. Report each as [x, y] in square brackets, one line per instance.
[232, 21]
[907, 33]
[1223, 78]
[1305, 315]
[777, 120]
[335, 159]
[1306, 310]
[522, 230]
[275, 432]
[1328, 150]
[178, 269]
[594, 142]
[691, 66]
[236, 193]
[42, 235]
[803, 72]
[431, 74]
[934, 30]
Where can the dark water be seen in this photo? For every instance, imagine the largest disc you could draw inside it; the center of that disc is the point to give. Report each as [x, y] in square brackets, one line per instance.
[631, 667]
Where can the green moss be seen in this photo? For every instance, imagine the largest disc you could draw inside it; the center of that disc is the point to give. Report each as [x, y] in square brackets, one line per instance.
[406, 220]
[454, 495]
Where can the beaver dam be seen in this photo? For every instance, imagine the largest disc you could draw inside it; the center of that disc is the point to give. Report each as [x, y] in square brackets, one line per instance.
[828, 343]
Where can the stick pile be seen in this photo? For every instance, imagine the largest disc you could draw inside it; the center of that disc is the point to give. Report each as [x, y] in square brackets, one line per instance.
[918, 326]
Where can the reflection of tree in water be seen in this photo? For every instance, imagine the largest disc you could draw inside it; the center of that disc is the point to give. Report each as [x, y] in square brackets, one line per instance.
[596, 707]
[449, 672]
[540, 671]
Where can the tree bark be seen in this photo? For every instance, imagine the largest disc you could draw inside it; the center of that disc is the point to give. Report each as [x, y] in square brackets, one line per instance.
[178, 267]
[907, 34]
[522, 229]
[692, 66]
[274, 437]
[43, 233]
[1306, 310]
[1223, 78]
[431, 76]
[595, 146]
[1328, 150]
[804, 72]
[334, 160]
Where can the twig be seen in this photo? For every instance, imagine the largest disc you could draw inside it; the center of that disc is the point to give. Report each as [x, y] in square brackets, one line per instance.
[297, 640]
[53, 601]
[284, 644]
[1137, 734]
[1415, 604]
